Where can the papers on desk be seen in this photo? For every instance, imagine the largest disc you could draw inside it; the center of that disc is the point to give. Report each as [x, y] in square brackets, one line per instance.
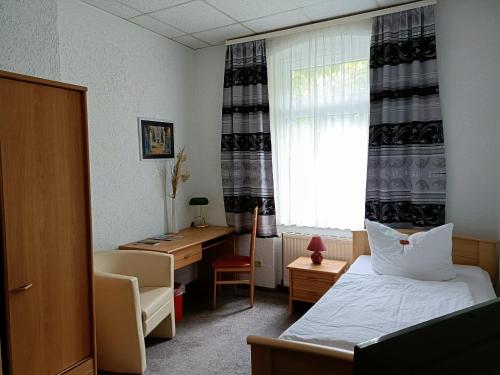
[166, 237]
[155, 240]
[148, 241]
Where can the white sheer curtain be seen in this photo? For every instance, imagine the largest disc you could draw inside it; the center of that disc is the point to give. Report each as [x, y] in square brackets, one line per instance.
[319, 97]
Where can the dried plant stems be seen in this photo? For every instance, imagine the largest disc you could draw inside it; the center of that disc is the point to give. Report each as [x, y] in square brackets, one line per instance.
[177, 175]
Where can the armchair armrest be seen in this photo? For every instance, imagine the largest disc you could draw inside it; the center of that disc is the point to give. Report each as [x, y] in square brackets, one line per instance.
[150, 268]
[118, 323]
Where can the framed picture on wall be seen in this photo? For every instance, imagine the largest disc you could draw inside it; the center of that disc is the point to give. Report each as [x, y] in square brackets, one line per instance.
[156, 139]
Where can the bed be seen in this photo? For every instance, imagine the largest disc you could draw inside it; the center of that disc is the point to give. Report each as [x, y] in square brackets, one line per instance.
[322, 340]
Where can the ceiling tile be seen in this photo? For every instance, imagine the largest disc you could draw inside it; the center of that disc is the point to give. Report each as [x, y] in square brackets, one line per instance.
[193, 17]
[191, 42]
[156, 26]
[114, 7]
[147, 6]
[243, 10]
[336, 8]
[218, 36]
[278, 21]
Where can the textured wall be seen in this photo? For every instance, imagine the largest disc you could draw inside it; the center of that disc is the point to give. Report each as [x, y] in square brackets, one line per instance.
[204, 138]
[205, 135]
[468, 36]
[28, 37]
[468, 47]
[129, 72]
[132, 72]
[266, 275]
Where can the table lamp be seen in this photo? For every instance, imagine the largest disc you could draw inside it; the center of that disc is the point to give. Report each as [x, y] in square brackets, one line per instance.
[199, 221]
[316, 246]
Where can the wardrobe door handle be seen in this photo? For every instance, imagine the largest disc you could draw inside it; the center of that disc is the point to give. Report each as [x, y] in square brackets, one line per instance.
[22, 288]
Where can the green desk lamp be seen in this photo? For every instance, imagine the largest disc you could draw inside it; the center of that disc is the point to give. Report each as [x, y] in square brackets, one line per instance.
[199, 221]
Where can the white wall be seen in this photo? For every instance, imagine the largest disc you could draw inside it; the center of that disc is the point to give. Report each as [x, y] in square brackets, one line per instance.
[132, 72]
[129, 72]
[204, 136]
[468, 37]
[468, 42]
[204, 139]
[28, 37]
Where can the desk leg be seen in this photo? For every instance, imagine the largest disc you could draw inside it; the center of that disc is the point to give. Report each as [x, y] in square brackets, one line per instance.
[205, 270]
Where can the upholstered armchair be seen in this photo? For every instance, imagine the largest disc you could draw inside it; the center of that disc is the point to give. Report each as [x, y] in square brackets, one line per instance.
[133, 298]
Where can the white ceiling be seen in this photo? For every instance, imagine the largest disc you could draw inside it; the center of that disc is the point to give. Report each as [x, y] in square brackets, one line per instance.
[203, 23]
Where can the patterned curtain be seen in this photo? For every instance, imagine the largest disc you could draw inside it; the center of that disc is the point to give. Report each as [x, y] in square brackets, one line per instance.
[406, 181]
[247, 171]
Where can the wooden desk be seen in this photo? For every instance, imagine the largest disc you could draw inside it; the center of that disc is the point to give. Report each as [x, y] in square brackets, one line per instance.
[190, 248]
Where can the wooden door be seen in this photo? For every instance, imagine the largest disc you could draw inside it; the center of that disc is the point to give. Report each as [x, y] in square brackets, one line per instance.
[46, 229]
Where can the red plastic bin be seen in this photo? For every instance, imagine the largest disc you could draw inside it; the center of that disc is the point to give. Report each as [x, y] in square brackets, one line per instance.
[179, 290]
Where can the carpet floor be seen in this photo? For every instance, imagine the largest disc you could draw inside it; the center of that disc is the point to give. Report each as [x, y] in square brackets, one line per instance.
[214, 341]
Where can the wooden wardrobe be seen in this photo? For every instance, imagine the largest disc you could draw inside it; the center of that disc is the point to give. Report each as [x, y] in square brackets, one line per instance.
[46, 255]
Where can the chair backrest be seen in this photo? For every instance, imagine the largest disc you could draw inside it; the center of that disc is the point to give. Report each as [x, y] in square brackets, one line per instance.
[254, 235]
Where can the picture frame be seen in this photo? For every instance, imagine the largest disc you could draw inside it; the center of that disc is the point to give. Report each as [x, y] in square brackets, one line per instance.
[156, 139]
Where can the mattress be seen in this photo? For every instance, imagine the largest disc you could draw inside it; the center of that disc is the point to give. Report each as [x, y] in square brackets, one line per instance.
[363, 305]
[476, 278]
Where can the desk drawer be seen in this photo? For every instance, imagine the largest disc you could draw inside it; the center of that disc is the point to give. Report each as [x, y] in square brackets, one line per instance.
[186, 256]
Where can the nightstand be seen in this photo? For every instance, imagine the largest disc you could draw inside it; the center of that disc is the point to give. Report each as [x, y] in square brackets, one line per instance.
[308, 281]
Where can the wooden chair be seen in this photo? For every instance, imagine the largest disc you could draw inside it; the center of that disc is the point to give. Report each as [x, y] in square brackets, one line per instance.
[238, 264]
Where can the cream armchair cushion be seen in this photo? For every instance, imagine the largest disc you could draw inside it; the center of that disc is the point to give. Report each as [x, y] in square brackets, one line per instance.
[133, 298]
[154, 302]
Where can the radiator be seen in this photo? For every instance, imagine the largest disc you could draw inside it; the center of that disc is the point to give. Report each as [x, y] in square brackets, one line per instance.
[294, 245]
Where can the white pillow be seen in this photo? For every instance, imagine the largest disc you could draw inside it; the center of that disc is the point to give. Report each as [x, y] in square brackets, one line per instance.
[427, 256]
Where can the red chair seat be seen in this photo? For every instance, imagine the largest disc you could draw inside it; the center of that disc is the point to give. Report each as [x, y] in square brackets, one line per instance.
[232, 261]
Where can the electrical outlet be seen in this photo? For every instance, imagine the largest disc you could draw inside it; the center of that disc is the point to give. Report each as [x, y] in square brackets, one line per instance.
[257, 263]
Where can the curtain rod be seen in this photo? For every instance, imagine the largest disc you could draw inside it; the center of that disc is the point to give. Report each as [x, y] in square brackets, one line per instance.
[333, 21]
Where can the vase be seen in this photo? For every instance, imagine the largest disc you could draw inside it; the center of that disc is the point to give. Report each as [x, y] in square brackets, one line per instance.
[171, 215]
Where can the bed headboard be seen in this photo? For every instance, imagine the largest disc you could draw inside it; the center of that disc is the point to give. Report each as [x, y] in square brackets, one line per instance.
[466, 250]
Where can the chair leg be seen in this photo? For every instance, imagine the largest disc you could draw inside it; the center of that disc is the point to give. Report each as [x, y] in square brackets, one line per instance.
[252, 288]
[215, 289]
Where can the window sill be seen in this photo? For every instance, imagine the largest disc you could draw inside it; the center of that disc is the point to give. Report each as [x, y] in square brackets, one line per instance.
[329, 232]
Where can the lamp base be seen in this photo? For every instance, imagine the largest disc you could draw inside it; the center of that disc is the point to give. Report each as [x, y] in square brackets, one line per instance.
[199, 222]
[317, 257]
[200, 226]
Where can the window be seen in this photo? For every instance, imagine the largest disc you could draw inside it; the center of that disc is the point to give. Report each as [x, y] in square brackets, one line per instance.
[319, 114]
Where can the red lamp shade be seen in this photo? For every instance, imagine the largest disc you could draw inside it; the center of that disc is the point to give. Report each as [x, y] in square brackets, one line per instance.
[316, 246]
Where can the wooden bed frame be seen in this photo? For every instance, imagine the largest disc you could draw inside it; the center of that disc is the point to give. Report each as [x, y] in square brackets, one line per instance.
[277, 356]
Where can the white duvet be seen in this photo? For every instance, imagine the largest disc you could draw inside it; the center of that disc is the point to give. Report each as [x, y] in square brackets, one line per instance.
[363, 307]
